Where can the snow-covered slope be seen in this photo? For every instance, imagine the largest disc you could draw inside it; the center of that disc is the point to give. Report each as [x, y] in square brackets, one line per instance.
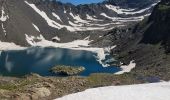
[153, 91]
[54, 19]
[90, 22]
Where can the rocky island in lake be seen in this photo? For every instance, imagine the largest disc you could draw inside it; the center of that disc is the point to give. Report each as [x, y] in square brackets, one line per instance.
[67, 70]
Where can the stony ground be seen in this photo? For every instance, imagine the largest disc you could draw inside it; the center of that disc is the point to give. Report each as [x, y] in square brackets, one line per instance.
[35, 87]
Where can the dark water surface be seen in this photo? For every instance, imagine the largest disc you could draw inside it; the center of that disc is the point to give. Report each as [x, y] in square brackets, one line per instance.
[40, 60]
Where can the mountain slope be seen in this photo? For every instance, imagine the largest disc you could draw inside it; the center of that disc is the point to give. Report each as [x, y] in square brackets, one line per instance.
[147, 43]
[23, 20]
[159, 30]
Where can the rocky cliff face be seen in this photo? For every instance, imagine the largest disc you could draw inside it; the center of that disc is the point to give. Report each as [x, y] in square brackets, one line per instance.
[23, 20]
[159, 30]
[147, 43]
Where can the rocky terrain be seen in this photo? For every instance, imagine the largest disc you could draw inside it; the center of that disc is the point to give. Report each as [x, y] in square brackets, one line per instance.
[36, 20]
[146, 42]
[35, 87]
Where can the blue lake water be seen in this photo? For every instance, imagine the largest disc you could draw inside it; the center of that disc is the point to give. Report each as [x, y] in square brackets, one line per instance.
[40, 60]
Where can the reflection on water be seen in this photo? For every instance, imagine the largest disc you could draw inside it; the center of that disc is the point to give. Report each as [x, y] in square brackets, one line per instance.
[40, 60]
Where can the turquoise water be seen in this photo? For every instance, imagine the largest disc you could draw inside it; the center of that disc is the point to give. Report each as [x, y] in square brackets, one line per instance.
[40, 60]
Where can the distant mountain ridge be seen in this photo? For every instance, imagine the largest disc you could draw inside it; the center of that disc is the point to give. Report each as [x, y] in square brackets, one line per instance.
[23, 21]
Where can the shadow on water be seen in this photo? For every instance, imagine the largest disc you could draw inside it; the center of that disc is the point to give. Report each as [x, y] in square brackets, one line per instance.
[40, 60]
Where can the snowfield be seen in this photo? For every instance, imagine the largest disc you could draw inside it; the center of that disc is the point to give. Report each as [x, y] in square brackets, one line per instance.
[10, 46]
[152, 91]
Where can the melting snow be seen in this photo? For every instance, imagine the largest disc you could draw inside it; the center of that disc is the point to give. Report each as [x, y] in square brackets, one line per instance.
[36, 27]
[75, 45]
[127, 68]
[72, 28]
[152, 91]
[91, 18]
[3, 17]
[65, 11]
[57, 38]
[90, 24]
[119, 10]
[73, 24]
[57, 16]
[10, 46]
[119, 19]
[50, 22]
[80, 24]
[3, 28]
[113, 18]
[78, 19]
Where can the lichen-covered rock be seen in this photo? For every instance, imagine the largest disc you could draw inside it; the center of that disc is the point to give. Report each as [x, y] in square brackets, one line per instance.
[67, 70]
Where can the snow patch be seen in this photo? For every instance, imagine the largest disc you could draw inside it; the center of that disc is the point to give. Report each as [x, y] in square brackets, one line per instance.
[75, 25]
[3, 28]
[78, 19]
[56, 38]
[104, 14]
[91, 18]
[50, 22]
[119, 19]
[45, 43]
[3, 17]
[127, 68]
[65, 11]
[55, 15]
[152, 91]
[9, 46]
[91, 23]
[119, 10]
[36, 27]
